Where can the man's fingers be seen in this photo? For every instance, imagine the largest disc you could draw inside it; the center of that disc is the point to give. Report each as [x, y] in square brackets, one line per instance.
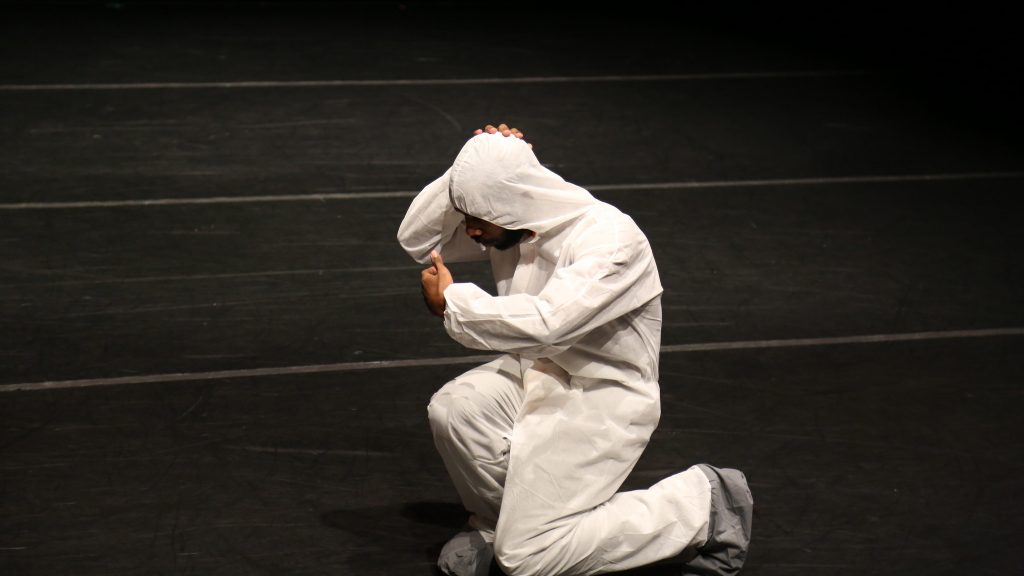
[504, 130]
[435, 257]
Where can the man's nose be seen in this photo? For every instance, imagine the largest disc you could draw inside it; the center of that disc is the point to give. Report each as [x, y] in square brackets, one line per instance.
[472, 231]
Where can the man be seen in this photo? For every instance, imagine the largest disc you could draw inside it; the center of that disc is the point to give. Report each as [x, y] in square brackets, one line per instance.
[538, 441]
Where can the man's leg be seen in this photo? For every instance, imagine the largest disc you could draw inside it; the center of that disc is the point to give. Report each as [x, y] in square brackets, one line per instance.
[573, 444]
[471, 418]
[732, 510]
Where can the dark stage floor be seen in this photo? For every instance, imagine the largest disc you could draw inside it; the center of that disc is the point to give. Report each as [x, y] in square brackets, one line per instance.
[214, 358]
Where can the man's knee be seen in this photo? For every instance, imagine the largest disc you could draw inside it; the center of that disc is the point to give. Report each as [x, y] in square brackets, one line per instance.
[512, 558]
[439, 408]
[450, 407]
[528, 556]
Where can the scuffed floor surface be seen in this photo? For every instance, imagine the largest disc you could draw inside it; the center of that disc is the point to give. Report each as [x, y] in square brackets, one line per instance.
[214, 358]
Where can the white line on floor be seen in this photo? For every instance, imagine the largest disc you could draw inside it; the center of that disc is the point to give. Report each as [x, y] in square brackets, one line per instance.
[480, 358]
[810, 181]
[430, 81]
[866, 339]
[197, 277]
[209, 200]
[594, 187]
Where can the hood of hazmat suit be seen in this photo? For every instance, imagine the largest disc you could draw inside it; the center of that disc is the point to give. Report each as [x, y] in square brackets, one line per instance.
[501, 181]
[584, 292]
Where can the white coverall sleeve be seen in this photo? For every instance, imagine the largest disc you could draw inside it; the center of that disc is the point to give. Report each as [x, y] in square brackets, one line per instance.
[431, 223]
[601, 284]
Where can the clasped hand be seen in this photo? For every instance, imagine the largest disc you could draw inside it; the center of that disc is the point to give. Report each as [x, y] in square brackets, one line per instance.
[433, 281]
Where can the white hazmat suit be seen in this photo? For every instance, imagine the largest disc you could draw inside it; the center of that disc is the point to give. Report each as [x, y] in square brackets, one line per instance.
[539, 441]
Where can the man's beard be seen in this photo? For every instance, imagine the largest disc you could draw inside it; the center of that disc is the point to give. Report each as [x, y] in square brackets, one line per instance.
[508, 239]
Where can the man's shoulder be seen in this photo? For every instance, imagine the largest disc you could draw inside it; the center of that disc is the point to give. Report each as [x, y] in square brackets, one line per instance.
[607, 226]
[607, 216]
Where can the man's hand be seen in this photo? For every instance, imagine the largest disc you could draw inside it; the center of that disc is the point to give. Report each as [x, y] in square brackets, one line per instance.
[504, 130]
[433, 281]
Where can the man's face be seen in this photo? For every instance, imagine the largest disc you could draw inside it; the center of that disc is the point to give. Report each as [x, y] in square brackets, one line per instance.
[483, 232]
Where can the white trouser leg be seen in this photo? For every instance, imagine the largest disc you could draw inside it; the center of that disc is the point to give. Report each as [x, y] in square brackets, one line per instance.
[574, 443]
[471, 418]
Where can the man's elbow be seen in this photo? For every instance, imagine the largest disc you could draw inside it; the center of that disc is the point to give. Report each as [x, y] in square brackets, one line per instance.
[545, 344]
[417, 252]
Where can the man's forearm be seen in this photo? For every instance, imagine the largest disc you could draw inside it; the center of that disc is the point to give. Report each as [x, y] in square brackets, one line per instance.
[429, 221]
